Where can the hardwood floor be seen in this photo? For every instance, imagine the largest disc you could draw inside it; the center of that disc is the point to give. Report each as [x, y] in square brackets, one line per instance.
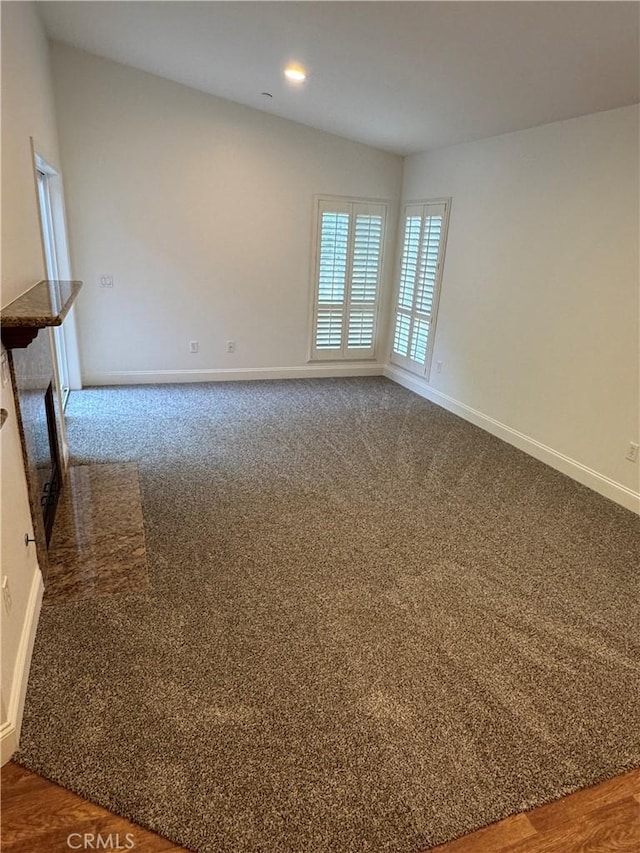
[40, 817]
[602, 819]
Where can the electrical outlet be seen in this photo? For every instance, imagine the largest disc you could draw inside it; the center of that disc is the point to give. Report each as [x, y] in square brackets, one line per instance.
[106, 280]
[194, 346]
[231, 346]
[438, 367]
[632, 453]
[6, 594]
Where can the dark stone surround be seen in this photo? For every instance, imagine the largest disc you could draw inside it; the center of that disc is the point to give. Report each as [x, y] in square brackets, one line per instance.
[30, 357]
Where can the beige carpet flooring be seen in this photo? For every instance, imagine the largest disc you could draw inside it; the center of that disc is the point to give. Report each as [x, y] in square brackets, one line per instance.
[371, 626]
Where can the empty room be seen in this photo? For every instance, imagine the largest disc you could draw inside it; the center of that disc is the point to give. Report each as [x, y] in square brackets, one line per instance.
[320, 427]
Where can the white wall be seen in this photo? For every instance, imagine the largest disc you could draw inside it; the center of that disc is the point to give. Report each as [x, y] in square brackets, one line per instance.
[27, 110]
[539, 311]
[201, 209]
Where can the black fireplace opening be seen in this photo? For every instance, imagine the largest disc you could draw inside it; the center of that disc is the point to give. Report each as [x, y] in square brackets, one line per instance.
[48, 462]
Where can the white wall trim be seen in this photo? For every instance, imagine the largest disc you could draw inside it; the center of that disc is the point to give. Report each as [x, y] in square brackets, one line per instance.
[143, 377]
[576, 470]
[10, 731]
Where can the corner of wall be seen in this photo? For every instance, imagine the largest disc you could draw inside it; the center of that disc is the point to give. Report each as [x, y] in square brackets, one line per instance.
[599, 483]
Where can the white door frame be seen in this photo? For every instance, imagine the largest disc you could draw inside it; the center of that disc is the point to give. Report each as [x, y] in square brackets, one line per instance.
[68, 330]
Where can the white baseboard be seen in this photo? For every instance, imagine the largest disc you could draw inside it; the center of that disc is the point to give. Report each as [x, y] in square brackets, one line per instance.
[576, 470]
[145, 377]
[10, 730]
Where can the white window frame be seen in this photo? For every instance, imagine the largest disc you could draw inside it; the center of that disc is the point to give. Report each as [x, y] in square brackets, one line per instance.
[344, 204]
[406, 362]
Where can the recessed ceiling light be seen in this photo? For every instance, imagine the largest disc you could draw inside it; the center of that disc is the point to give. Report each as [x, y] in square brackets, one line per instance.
[295, 74]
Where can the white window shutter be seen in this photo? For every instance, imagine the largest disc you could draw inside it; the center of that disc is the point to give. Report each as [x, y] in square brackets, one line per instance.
[334, 235]
[425, 226]
[329, 328]
[347, 286]
[409, 261]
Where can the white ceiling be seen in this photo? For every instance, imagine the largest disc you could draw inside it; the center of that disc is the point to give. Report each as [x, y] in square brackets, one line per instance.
[401, 76]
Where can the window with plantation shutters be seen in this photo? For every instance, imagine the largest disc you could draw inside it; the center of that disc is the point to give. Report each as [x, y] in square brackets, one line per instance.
[425, 226]
[350, 236]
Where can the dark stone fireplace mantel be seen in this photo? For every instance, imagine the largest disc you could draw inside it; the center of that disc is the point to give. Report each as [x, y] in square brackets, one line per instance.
[47, 303]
